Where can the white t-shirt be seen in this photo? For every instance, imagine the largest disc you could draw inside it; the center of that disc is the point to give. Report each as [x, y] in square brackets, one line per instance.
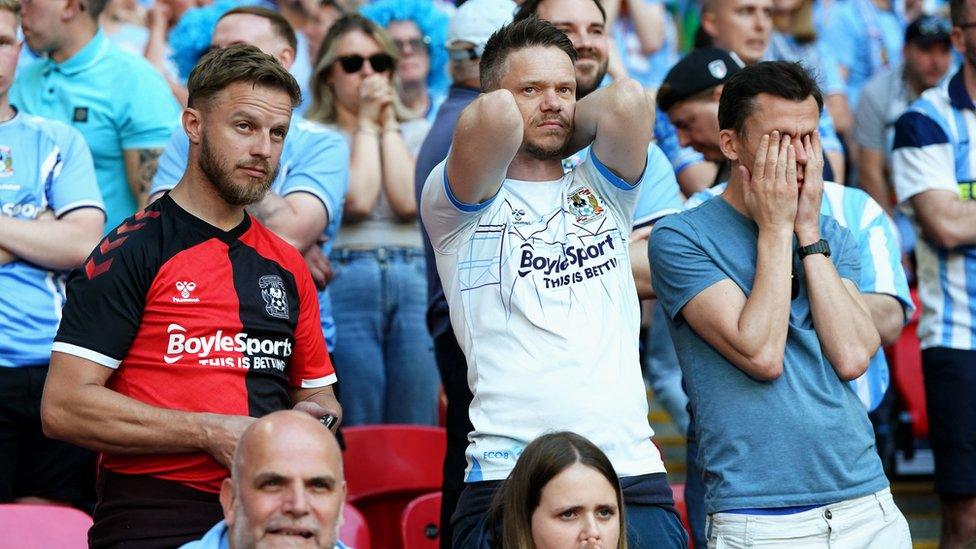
[544, 306]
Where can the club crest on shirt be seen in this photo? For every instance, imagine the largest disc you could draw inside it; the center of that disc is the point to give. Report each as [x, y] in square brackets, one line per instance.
[275, 298]
[6, 161]
[584, 204]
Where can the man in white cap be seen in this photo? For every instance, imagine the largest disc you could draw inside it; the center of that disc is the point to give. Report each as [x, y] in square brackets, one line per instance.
[472, 25]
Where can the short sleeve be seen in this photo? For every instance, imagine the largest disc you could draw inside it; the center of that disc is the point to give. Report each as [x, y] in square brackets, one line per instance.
[150, 113]
[620, 195]
[320, 167]
[106, 298]
[71, 182]
[310, 366]
[845, 255]
[680, 268]
[447, 219]
[172, 163]
[922, 159]
[659, 194]
[869, 117]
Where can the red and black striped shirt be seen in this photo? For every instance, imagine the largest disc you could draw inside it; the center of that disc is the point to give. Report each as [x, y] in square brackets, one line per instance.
[198, 319]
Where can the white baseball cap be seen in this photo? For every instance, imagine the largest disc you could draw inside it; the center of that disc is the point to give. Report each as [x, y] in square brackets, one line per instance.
[476, 20]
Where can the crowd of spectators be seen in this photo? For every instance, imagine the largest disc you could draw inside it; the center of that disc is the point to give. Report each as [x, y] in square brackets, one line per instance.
[212, 211]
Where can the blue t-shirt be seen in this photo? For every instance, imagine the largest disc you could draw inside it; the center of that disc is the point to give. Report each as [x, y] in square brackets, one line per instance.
[116, 99]
[865, 40]
[314, 160]
[881, 268]
[802, 439]
[44, 165]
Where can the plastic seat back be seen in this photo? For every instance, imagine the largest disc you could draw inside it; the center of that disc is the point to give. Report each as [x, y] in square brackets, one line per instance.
[420, 525]
[354, 531]
[386, 467]
[43, 526]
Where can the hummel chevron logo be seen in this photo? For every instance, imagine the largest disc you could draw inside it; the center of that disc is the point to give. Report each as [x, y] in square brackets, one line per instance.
[135, 224]
[129, 227]
[93, 269]
[108, 245]
[145, 213]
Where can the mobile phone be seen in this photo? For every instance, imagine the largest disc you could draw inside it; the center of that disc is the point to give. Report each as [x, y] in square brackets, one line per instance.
[328, 420]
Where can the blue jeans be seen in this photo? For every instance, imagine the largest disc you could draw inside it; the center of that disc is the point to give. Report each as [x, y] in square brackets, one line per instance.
[384, 356]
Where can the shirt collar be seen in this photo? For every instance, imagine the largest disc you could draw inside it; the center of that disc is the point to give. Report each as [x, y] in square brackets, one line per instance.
[87, 56]
[958, 95]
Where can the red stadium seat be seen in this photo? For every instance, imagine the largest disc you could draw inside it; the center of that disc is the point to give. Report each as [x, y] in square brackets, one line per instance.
[905, 361]
[420, 524]
[386, 467]
[354, 532]
[43, 526]
[679, 503]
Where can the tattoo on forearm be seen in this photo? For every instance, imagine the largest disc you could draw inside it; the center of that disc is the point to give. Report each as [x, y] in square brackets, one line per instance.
[148, 162]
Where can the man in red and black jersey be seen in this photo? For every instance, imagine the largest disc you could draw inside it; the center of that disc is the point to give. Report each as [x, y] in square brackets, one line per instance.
[190, 320]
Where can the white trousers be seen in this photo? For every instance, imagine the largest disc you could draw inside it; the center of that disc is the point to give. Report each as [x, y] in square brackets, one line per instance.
[872, 521]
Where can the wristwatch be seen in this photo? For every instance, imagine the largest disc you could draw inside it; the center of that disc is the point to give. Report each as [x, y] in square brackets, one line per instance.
[818, 247]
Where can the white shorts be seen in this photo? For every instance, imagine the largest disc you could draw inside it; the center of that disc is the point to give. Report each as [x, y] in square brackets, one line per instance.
[872, 521]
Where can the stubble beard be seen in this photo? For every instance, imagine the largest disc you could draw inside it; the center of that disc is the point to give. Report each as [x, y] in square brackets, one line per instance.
[586, 87]
[219, 174]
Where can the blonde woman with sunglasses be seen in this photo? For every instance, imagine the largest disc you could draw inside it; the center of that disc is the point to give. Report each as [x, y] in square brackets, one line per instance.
[383, 350]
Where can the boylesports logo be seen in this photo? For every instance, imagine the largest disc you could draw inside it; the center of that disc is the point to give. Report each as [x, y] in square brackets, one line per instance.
[275, 298]
[259, 353]
[184, 288]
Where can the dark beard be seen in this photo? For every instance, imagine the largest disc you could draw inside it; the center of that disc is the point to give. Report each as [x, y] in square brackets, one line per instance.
[219, 176]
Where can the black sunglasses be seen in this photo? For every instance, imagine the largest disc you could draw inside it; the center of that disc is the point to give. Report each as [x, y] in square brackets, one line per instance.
[381, 62]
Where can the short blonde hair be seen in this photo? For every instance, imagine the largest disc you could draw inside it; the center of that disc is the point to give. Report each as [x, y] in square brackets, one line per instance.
[323, 107]
[13, 6]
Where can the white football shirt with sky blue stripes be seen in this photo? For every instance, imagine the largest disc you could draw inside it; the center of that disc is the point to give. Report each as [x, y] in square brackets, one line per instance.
[933, 151]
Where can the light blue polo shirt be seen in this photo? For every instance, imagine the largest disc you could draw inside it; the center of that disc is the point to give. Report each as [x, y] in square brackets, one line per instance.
[117, 100]
[44, 166]
[314, 160]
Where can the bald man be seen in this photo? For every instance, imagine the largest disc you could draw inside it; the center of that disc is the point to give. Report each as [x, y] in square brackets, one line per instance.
[286, 488]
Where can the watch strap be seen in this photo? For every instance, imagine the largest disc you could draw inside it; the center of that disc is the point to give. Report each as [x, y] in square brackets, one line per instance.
[818, 247]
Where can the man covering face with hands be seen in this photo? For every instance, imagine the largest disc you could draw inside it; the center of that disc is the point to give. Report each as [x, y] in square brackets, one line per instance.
[761, 296]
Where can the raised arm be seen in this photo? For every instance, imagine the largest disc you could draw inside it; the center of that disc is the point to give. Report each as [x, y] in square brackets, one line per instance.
[619, 121]
[398, 168]
[841, 319]
[78, 408]
[750, 332]
[487, 137]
